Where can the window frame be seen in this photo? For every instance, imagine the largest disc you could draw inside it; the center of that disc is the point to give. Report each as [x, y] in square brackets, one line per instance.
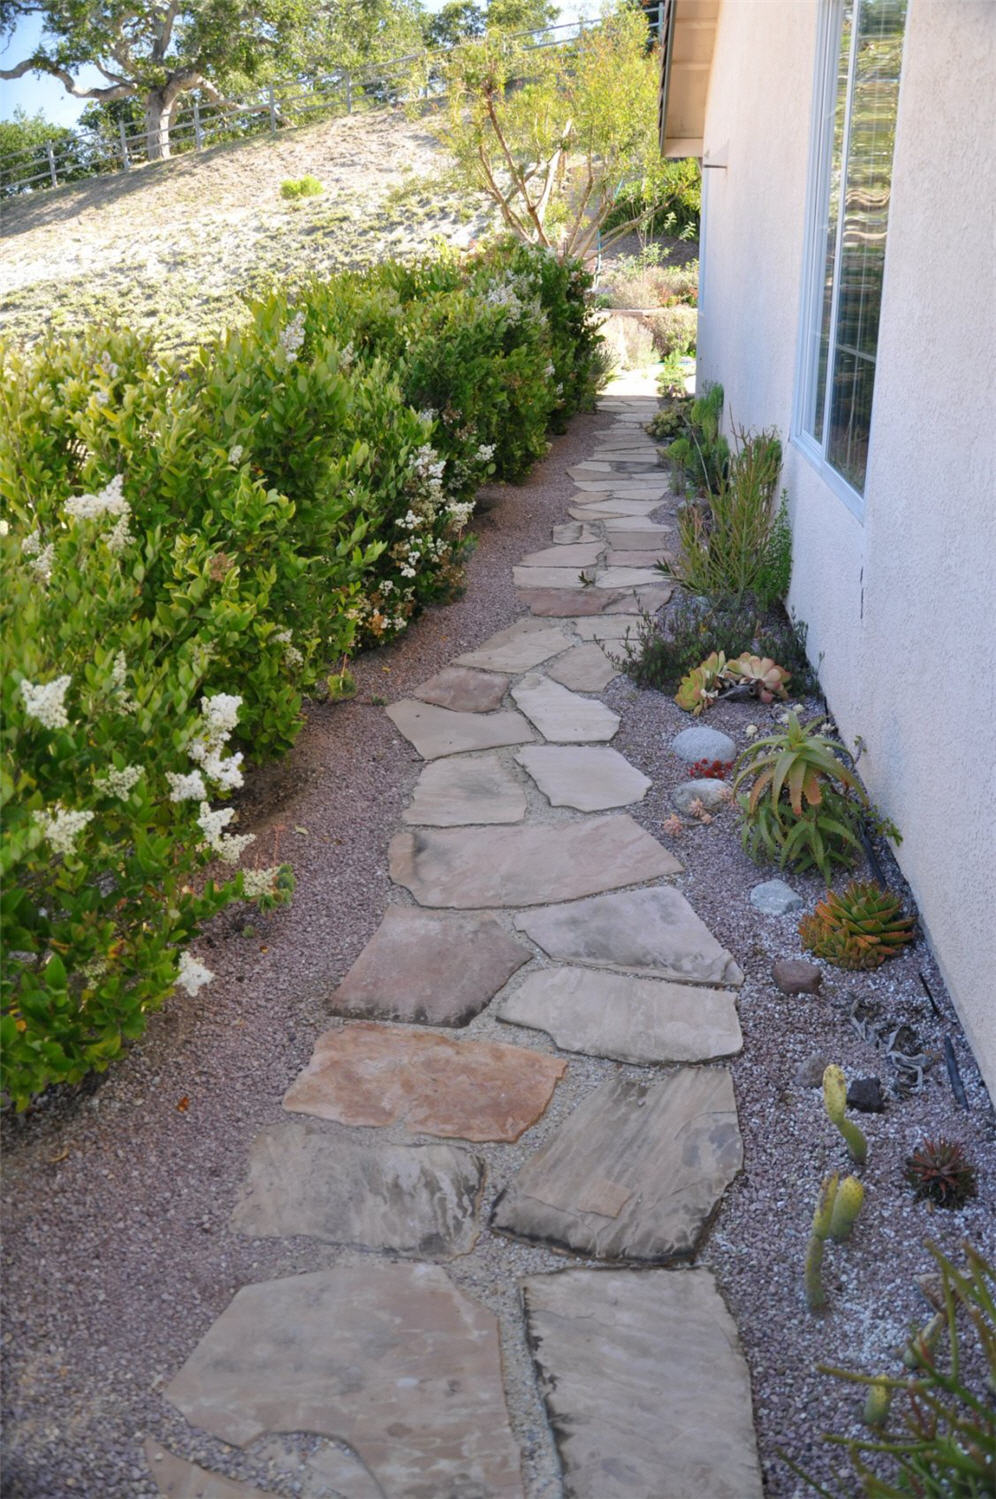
[818, 208]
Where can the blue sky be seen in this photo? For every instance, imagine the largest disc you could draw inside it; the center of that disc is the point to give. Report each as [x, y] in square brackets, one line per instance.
[34, 92]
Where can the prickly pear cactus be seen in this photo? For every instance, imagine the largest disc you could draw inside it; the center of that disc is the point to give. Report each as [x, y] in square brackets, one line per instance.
[835, 1103]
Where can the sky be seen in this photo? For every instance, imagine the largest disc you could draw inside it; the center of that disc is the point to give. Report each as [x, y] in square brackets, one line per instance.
[35, 92]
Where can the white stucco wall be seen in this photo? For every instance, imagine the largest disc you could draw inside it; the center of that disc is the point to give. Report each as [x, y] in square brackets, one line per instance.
[901, 602]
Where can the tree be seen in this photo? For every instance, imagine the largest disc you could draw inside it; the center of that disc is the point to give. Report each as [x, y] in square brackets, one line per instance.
[155, 50]
[520, 15]
[554, 135]
[453, 23]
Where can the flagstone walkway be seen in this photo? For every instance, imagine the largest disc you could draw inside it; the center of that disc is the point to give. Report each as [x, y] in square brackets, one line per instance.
[524, 889]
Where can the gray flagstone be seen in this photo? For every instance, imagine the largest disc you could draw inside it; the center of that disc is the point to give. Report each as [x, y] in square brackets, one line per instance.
[463, 690]
[591, 780]
[438, 731]
[584, 668]
[461, 789]
[518, 648]
[562, 715]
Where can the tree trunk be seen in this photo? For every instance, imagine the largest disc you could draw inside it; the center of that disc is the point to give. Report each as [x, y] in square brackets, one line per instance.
[158, 114]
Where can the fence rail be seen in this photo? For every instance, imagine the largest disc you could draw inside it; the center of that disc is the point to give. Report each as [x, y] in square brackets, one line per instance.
[198, 124]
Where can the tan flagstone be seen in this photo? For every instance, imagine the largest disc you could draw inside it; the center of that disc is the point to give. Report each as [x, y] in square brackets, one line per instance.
[589, 779]
[518, 648]
[561, 715]
[463, 690]
[377, 1075]
[580, 555]
[462, 789]
[584, 668]
[175, 1478]
[547, 577]
[561, 603]
[438, 731]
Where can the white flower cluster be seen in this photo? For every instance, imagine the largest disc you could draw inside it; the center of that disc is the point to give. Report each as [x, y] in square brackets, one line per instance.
[108, 366]
[110, 501]
[221, 714]
[485, 452]
[460, 512]
[46, 701]
[235, 454]
[516, 296]
[292, 337]
[186, 788]
[292, 655]
[192, 975]
[119, 672]
[428, 415]
[427, 463]
[229, 847]
[42, 558]
[257, 882]
[118, 782]
[61, 828]
[409, 522]
[347, 356]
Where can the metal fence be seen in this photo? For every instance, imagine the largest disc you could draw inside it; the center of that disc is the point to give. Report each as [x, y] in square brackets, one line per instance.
[198, 124]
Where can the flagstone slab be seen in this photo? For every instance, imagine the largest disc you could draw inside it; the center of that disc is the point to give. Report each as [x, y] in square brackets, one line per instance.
[390, 1358]
[645, 600]
[608, 627]
[634, 1173]
[644, 1383]
[581, 555]
[636, 557]
[462, 789]
[561, 715]
[591, 780]
[630, 1019]
[638, 537]
[518, 648]
[561, 603]
[377, 1075]
[572, 532]
[547, 577]
[436, 968]
[608, 507]
[175, 1478]
[584, 668]
[439, 731]
[602, 467]
[476, 869]
[628, 577]
[620, 485]
[414, 1199]
[655, 931]
[463, 690]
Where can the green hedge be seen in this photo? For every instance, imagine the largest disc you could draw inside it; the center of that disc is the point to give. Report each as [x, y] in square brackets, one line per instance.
[186, 552]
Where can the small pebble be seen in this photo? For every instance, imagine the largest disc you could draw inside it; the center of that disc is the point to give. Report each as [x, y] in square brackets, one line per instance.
[865, 1094]
[809, 1073]
[796, 976]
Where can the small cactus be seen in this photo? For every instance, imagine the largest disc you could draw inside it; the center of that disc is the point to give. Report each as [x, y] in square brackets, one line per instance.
[857, 928]
[940, 1170]
[877, 1403]
[835, 1102]
[846, 1207]
[816, 1297]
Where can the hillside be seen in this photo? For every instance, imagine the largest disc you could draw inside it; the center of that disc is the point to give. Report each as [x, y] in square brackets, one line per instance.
[173, 247]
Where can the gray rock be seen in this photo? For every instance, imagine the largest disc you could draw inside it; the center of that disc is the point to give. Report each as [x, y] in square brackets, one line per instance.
[414, 1199]
[437, 731]
[459, 790]
[775, 898]
[469, 869]
[654, 931]
[642, 1376]
[634, 1173]
[592, 780]
[463, 690]
[711, 793]
[796, 976]
[438, 968]
[639, 1020]
[809, 1073]
[366, 1356]
[703, 743]
[561, 715]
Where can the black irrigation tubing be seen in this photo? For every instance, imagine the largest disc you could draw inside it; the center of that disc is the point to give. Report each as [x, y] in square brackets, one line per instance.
[954, 1076]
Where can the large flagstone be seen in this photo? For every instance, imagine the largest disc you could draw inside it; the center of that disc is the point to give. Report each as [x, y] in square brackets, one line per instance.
[636, 557]
[461, 789]
[475, 869]
[653, 930]
[561, 715]
[584, 668]
[520, 647]
[433, 967]
[561, 603]
[618, 484]
[580, 555]
[438, 731]
[573, 533]
[590, 780]
[377, 1075]
[607, 627]
[414, 1199]
[646, 1388]
[634, 1173]
[548, 577]
[463, 690]
[640, 1020]
[390, 1358]
[633, 535]
[175, 1478]
[628, 577]
[646, 599]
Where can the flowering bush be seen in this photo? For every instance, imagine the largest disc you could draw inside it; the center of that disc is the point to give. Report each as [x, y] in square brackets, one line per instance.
[185, 552]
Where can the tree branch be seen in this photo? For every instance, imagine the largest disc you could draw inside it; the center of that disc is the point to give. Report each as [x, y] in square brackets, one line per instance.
[41, 64]
[512, 219]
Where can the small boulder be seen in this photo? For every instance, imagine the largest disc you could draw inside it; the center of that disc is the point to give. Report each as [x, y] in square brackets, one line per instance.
[809, 1073]
[775, 898]
[703, 743]
[796, 976]
[865, 1094]
[710, 792]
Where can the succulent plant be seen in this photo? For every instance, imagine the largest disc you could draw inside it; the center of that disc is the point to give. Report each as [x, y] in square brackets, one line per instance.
[877, 1402]
[822, 1217]
[766, 678]
[835, 1102]
[710, 770]
[701, 686]
[940, 1170]
[857, 928]
[846, 1207]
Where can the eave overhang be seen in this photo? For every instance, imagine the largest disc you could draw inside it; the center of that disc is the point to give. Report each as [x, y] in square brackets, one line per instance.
[688, 36]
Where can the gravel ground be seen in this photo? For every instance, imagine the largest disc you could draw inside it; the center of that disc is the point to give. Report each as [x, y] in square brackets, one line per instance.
[117, 1251]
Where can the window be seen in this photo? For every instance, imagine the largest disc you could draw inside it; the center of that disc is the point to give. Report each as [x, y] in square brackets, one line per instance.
[851, 179]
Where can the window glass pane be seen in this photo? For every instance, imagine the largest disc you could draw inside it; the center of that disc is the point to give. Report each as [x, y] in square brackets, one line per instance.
[850, 415]
[822, 344]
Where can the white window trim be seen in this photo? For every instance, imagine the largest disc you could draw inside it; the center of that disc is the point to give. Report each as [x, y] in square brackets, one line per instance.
[814, 247]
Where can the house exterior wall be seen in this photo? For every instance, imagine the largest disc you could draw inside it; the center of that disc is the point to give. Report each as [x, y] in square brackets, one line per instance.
[900, 601]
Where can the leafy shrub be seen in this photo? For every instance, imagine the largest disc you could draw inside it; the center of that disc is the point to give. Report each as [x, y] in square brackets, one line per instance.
[701, 454]
[671, 203]
[301, 187]
[694, 628]
[674, 329]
